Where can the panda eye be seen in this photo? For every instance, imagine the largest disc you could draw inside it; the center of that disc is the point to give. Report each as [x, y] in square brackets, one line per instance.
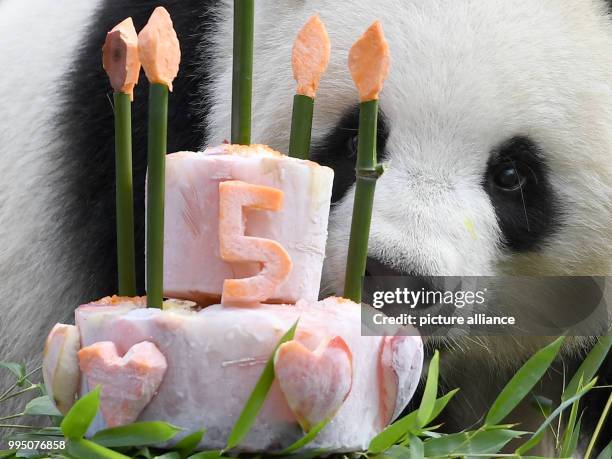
[351, 147]
[338, 149]
[510, 176]
[526, 205]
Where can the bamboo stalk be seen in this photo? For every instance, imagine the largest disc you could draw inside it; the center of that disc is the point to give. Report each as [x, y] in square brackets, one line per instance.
[242, 72]
[309, 60]
[160, 54]
[122, 64]
[156, 177]
[367, 173]
[301, 126]
[598, 427]
[126, 265]
[369, 65]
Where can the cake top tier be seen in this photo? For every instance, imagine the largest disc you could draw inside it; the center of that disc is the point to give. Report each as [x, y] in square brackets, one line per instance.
[245, 154]
[255, 151]
[242, 150]
[226, 205]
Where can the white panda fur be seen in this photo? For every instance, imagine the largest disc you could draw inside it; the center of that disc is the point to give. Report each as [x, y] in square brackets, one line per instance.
[465, 76]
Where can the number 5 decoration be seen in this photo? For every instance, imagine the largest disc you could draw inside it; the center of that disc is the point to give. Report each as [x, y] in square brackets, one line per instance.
[235, 247]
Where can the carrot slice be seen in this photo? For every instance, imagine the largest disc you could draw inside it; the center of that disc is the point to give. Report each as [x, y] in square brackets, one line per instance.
[128, 383]
[120, 57]
[369, 62]
[159, 49]
[310, 56]
[315, 383]
[235, 247]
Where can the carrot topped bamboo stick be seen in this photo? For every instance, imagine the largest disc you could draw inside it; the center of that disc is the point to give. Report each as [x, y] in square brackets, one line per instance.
[122, 64]
[369, 66]
[120, 57]
[242, 72]
[310, 58]
[160, 55]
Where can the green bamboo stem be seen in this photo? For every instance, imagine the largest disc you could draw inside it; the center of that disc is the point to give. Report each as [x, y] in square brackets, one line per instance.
[158, 125]
[598, 427]
[367, 172]
[242, 73]
[301, 126]
[12, 416]
[16, 383]
[18, 393]
[18, 426]
[126, 266]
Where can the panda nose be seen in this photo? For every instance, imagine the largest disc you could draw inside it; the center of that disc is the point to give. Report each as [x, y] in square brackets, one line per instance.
[382, 277]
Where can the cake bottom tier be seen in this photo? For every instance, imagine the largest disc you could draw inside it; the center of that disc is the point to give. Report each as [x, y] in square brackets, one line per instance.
[215, 357]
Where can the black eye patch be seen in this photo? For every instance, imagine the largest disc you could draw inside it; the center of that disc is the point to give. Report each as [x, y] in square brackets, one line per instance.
[338, 150]
[525, 203]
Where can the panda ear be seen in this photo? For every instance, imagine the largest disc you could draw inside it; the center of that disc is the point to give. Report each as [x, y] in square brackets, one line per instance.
[338, 149]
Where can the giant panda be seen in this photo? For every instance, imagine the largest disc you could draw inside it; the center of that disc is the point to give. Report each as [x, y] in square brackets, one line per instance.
[482, 96]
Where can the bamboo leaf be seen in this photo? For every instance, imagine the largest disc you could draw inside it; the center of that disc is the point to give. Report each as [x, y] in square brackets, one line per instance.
[540, 457]
[569, 427]
[417, 450]
[393, 433]
[542, 405]
[44, 432]
[42, 406]
[29, 453]
[77, 420]
[144, 453]
[258, 396]
[499, 426]
[17, 369]
[606, 453]
[431, 389]
[465, 443]
[395, 452]
[536, 437]
[589, 366]
[573, 440]
[428, 434]
[170, 455]
[598, 427]
[441, 404]
[136, 434]
[81, 448]
[309, 437]
[522, 383]
[42, 389]
[189, 443]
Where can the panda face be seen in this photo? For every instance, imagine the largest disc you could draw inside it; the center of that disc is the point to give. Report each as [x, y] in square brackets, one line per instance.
[515, 181]
[496, 132]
